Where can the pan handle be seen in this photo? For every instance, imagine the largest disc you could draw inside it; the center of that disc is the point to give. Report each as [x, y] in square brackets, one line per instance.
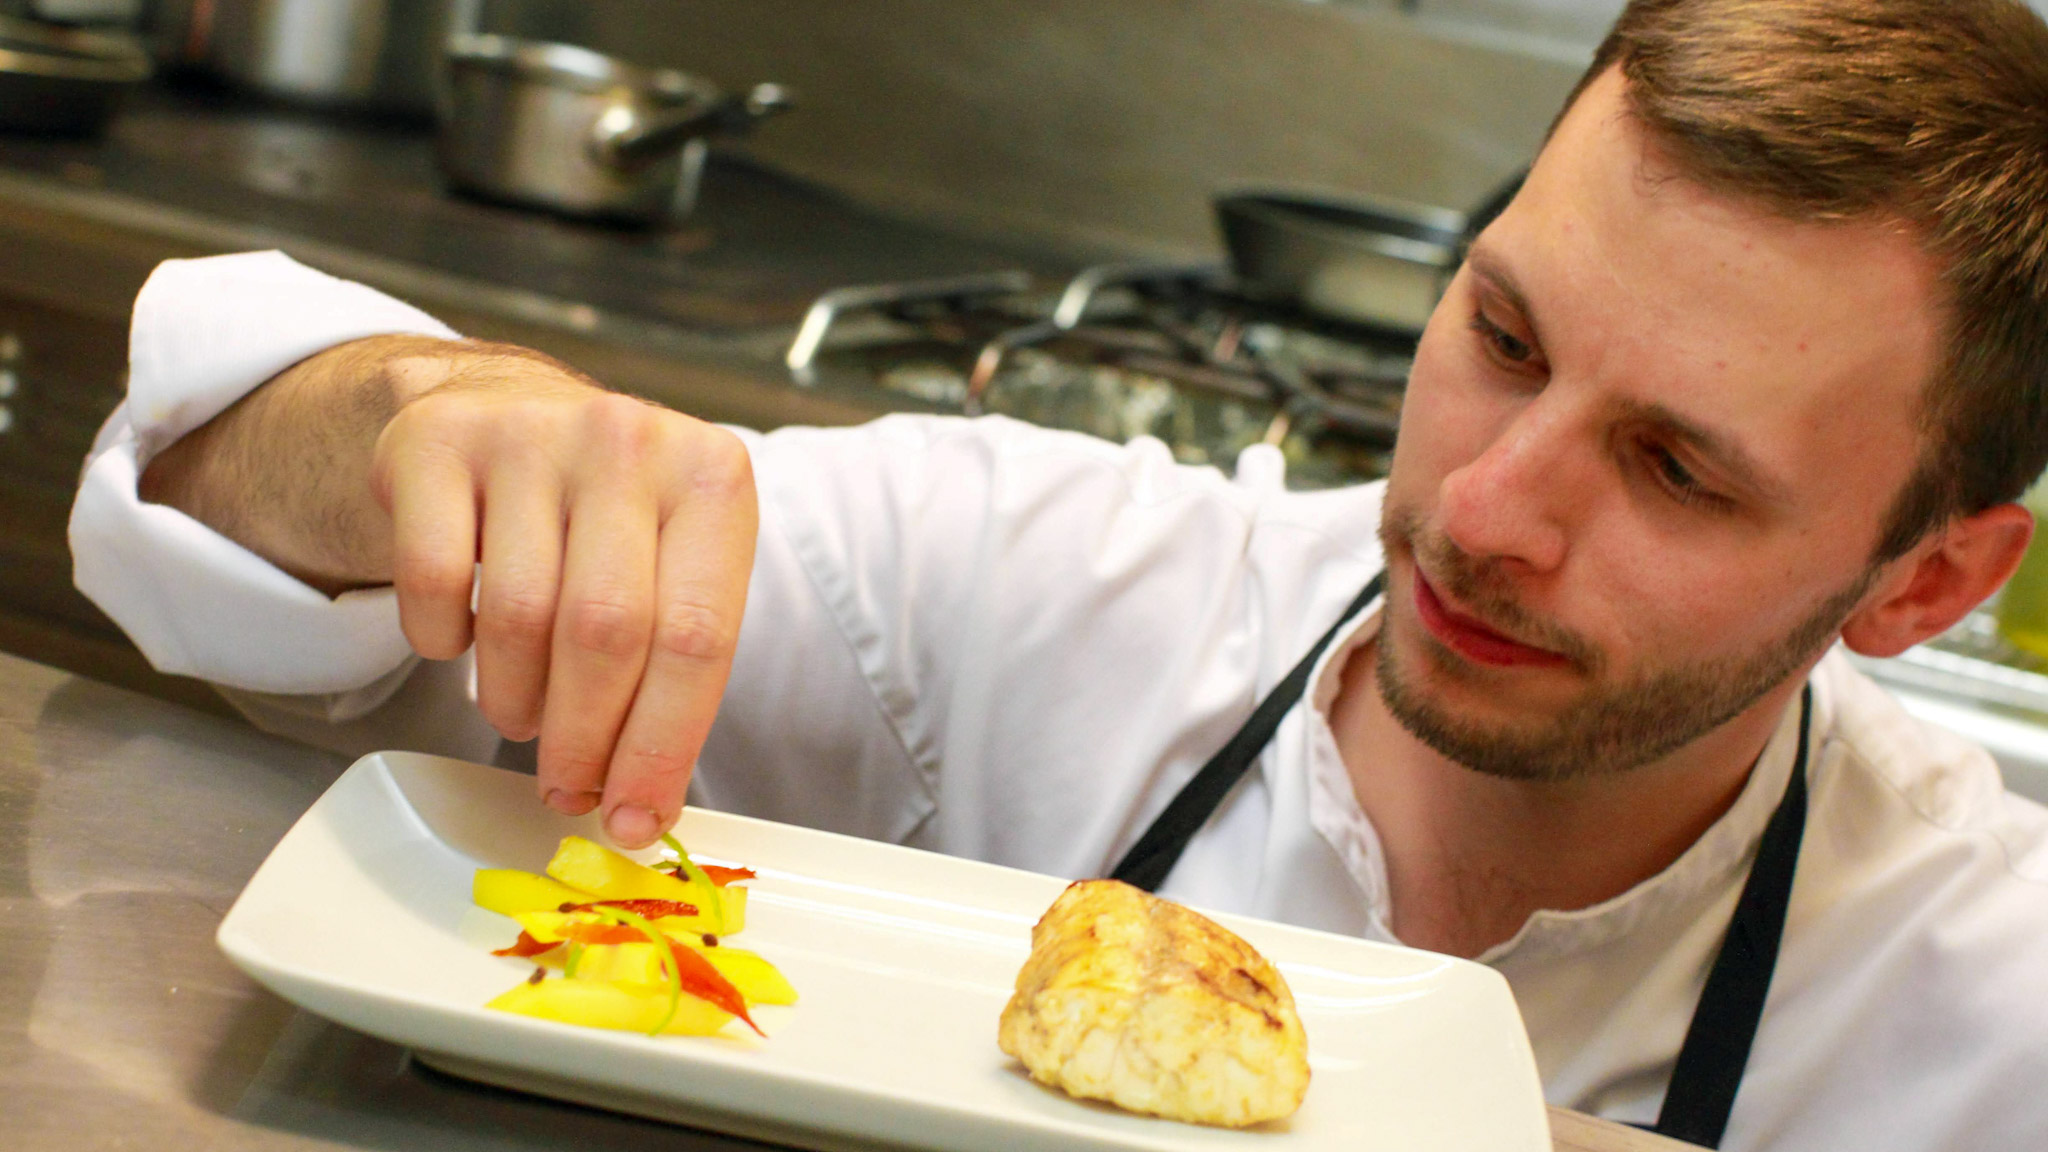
[621, 138]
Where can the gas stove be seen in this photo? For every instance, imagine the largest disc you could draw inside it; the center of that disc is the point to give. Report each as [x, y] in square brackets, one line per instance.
[1176, 352]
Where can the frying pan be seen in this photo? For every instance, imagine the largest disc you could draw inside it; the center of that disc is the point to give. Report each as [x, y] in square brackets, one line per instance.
[1369, 261]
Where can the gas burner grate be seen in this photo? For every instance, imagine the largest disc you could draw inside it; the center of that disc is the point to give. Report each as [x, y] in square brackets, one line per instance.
[1174, 352]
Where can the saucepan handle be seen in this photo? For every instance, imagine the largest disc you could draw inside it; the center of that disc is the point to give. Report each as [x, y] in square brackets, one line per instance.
[623, 138]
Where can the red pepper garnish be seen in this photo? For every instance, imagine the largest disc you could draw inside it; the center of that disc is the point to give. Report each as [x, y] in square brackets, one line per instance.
[526, 945]
[705, 982]
[721, 875]
[699, 977]
[649, 908]
[603, 934]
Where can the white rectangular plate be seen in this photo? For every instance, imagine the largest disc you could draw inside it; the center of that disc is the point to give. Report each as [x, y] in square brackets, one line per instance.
[903, 960]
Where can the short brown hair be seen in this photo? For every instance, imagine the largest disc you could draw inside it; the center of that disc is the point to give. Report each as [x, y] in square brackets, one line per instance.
[1930, 112]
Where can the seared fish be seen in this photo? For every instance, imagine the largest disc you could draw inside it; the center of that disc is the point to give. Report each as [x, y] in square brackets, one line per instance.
[1137, 1001]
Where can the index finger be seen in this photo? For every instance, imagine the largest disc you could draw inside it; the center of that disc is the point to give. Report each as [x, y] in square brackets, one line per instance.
[704, 560]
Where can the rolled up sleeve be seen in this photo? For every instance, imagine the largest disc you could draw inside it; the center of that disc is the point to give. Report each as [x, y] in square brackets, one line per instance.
[205, 333]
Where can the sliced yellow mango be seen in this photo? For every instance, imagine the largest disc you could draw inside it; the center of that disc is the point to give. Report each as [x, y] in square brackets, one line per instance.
[620, 964]
[547, 927]
[551, 927]
[594, 868]
[757, 980]
[508, 891]
[628, 1008]
[733, 900]
[626, 986]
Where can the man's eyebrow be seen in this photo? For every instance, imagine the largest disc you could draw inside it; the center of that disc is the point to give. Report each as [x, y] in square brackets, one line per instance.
[1722, 450]
[1490, 268]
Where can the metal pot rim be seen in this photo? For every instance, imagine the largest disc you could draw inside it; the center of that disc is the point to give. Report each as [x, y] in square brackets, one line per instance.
[573, 66]
[30, 49]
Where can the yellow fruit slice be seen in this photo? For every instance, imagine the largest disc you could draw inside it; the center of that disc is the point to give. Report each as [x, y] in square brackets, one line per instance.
[550, 927]
[627, 1008]
[594, 868]
[508, 891]
[734, 901]
[757, 980]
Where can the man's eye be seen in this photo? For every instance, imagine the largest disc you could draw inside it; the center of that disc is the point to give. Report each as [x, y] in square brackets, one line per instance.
[1676, 477]
[1502, 343]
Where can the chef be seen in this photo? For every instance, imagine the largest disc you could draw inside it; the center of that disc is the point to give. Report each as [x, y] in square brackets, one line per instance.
[1756, 362]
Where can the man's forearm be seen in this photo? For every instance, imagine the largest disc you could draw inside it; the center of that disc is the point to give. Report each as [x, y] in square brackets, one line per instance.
[285, 472]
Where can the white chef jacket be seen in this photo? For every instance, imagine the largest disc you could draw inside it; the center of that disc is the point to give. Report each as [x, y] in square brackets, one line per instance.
[1012, 644]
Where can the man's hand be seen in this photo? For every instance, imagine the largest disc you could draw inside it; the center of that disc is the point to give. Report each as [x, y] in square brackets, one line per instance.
[615, 540]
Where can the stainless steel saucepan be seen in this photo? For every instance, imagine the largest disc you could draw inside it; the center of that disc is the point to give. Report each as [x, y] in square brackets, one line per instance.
[564, 128]
[365, 55]
[64, 81]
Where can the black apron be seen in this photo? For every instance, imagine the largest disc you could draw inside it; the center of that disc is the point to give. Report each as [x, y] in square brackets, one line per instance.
[1717, 1042]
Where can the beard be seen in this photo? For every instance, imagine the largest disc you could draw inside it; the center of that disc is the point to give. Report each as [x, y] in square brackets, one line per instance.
[1612, 727]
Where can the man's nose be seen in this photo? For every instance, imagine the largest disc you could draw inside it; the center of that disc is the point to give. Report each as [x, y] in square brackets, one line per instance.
[1515, 500]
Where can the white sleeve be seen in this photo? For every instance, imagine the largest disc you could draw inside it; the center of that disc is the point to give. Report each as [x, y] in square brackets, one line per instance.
[805, 735]
[985, 638]
[205, 333]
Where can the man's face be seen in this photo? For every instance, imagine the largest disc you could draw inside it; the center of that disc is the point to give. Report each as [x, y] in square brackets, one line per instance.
[1648, 444]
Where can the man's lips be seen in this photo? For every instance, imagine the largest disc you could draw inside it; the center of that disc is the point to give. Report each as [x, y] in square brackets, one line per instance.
[1470, 638]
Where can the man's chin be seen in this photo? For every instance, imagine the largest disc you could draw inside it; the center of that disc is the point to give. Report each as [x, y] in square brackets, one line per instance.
[1454, 712]
[1508, 731]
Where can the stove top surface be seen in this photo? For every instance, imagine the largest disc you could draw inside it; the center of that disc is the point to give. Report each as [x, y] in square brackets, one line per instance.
[1177, 353]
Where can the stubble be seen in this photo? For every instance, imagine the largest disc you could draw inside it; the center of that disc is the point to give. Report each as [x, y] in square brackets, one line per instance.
[1611, 727]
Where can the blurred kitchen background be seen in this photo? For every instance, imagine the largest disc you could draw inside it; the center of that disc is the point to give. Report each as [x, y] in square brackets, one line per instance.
[825, 211]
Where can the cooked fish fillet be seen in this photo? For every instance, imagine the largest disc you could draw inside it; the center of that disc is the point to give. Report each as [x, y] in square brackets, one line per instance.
[1136, 1000]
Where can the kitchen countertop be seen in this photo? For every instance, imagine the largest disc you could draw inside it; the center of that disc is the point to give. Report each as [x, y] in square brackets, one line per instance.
[127, 827]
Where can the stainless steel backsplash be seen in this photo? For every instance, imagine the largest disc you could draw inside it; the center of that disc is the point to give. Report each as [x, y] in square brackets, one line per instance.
[1104, 126]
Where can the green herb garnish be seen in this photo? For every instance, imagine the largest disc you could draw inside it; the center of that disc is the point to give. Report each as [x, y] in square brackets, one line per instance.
[670, 970]
[714, 900]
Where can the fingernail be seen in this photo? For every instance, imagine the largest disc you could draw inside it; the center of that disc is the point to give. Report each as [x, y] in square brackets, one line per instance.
[632, 826]
[572, 803]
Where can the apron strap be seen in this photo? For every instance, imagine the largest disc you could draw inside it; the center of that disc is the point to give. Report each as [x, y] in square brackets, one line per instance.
[1158, 850]
[1717, 1043]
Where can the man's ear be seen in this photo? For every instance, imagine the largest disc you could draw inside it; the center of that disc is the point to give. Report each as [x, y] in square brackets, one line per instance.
[1930, 588]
